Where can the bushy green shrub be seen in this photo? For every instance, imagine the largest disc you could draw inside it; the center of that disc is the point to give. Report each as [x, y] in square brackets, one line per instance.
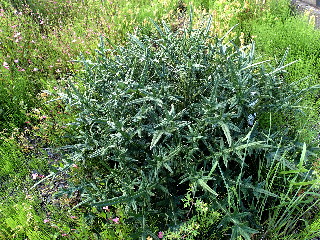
[183, 112]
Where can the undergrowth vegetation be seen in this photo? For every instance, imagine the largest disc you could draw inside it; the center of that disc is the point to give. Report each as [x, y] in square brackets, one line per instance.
[185, 123]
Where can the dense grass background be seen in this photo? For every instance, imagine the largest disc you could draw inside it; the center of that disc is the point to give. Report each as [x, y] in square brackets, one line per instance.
[39, 41]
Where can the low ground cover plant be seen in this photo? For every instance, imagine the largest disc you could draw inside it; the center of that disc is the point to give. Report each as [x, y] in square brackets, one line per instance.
[182, 112]
[36, 58]
[278, 27]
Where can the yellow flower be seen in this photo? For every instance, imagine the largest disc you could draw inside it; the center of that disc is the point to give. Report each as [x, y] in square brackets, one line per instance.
[43, 95]
[149, 238]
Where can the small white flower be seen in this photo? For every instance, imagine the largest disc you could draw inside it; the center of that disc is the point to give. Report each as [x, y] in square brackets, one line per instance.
[17, 34]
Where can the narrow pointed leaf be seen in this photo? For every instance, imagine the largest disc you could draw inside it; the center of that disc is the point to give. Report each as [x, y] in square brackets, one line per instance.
[206, 187]
[156, 137]
[304, 183]
[294, 171]
[303, 155]
[226, 131]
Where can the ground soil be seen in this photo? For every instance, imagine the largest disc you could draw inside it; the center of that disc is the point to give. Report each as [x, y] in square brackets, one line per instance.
[315, 11]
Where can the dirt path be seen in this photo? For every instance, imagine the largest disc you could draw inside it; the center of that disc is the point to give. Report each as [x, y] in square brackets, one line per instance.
[315, 11]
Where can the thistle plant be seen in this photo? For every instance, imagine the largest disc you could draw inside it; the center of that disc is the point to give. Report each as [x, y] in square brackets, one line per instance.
[184, 110]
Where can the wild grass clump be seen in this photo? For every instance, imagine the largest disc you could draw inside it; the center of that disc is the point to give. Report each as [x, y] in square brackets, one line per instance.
[277, 26]
[182, 115]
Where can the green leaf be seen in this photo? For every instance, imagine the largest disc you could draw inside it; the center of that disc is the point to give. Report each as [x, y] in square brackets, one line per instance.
[259, 144]
[156, 137]
[244, 231]
[166, 165]
[294, 171]
[206, 187]
[313, 193]
[147, 99]
[213, 168]
[281, 68]
[304, 183]
[116, 200]
[136, 40]
[303, 156]
[259, 190]
[87, 200]
[254, 65]
[300, 169]
[226, 132]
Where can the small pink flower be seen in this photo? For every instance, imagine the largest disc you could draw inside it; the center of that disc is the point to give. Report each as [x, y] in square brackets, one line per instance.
[106, 208]
[5, 64]
[115, 220]
[41, 22]
[46, 220]
[21, 70]
[64, 234]
[16, 60]
[73, 217]
[27, 122]
[34, 176]
[43, 117]
[160, 234]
